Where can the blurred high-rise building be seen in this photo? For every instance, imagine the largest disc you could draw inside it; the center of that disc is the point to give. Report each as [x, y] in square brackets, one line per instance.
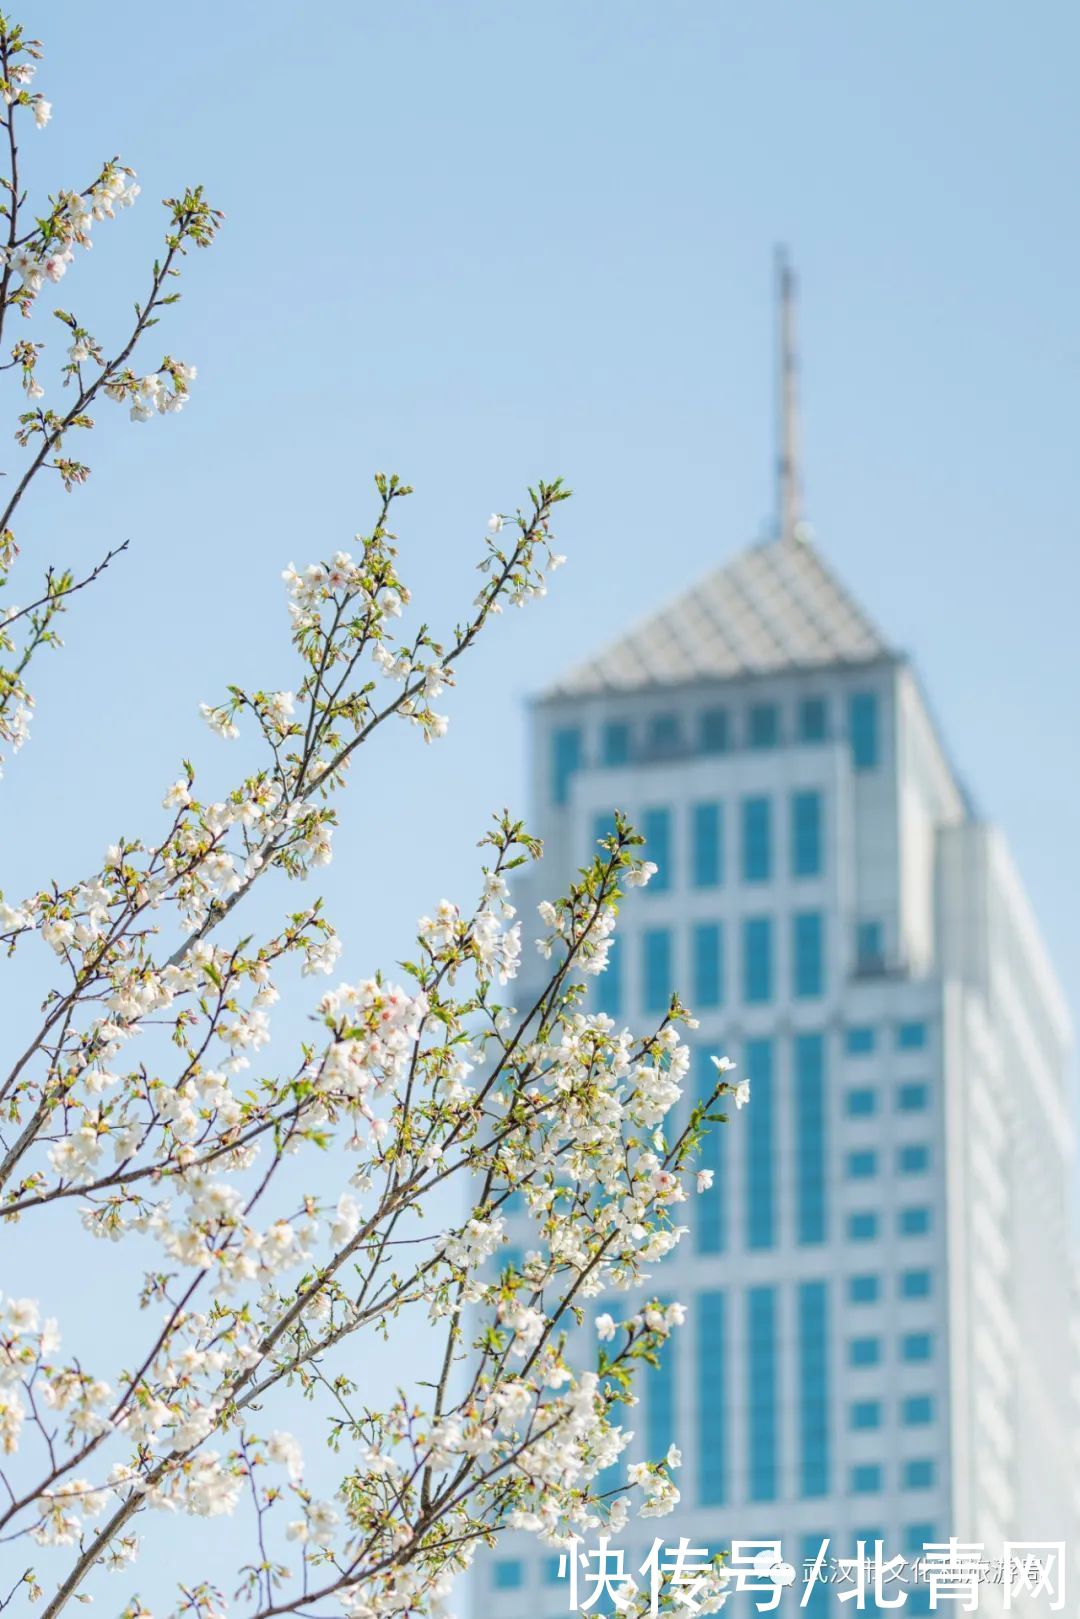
[880, 1280]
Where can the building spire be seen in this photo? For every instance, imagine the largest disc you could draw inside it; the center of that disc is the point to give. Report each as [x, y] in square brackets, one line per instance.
[789, 513]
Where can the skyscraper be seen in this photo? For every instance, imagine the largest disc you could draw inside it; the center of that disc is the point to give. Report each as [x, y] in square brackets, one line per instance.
[881, 1283]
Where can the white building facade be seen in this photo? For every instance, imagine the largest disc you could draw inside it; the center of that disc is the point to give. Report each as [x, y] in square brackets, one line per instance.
[880, 1282]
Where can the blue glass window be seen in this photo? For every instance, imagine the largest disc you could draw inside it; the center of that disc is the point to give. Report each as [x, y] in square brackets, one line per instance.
[615, 743]
[862, 1165]
[813, 719]
[859, 1040]
[914, 1222]
[715, 731]
[806, 823]
[760, 1146]
[707, 837]
[865, 1414]
[870, 947]
[656, 830]
[918, 1535]
[609, 983]
[913, 1160]
[551, 1571]
[757, 960]
[763, 725]
[810, 1167]
[710, 1208]
[507, 1574]
[656, 955]
[660, 1401]
[861, 1103]
[711, 1399]
[813, 1388]
[917, 1410]
[808, 954]
[761, 1362]
[918, 1473]
[864, 1351]
[566, 760]
[866, 1479]
[912, 1098]
[863, 729]
[756, 840]
[863, 1289]
[665, 735]
[911, 1036]
[862, 1226]
[915, 1284]
[916, 1346]
[708, 942]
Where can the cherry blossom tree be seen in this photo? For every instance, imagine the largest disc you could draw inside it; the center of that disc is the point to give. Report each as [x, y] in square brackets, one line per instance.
[275, 1219]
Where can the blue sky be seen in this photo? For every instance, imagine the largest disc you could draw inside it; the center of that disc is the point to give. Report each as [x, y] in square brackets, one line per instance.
[481, 244]
[478, 244]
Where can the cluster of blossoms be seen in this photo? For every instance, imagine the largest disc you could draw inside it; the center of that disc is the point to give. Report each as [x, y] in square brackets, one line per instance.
[257, 1214]
[562, 1106]
[48, 253]
[157, 394]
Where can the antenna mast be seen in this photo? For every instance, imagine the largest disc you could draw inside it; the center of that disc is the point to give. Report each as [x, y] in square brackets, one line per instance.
[788, 466]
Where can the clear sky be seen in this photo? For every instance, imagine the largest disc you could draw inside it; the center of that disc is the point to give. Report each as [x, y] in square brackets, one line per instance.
[479, 244]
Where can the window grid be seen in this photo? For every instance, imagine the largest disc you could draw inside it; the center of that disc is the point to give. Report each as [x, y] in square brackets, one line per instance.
[810, 1163]
[813, 719]
[913, 1159]
[609, 983]
[707, 845]
[566, 760]
[756, 840]
[814, 1388]
[806, 820]
[708, 952]
[710, 1208]
[665, 736]
[861, 1102]
[711, 1399]
[660, 1400]
[715, 731]
[761, 1430]
[656, 830]
[757, 960]
[615, 743]
[808, 954]
[656, 957]
[912, 1098]
[760, 1147]
[763, 725]
[864, 1414]
[859, 1040]
[863, 729]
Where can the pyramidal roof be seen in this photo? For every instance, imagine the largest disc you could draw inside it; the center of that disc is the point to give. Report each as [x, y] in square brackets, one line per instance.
[775, 607]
